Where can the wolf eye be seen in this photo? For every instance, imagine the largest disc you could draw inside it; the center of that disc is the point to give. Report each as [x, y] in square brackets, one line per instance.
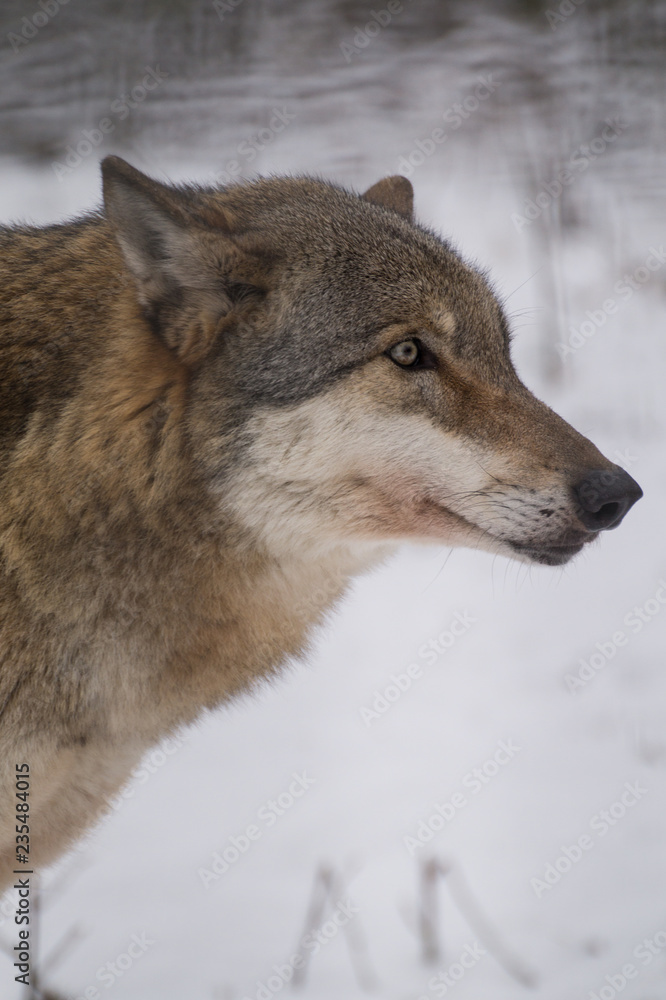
[406, 354]
[412, 354]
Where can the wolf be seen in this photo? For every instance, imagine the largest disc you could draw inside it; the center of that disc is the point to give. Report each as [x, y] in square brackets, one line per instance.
[218, 406]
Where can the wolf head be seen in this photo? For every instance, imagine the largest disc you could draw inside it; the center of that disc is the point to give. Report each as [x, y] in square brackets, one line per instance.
[349, 375]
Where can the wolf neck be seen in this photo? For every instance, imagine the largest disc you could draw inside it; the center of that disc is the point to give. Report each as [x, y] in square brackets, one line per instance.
[102, 493]
[249, 618]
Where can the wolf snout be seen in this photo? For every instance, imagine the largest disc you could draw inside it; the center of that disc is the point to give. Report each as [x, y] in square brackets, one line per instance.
[604, 496]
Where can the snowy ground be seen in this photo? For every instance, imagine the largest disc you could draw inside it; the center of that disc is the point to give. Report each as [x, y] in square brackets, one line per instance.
[370, 784]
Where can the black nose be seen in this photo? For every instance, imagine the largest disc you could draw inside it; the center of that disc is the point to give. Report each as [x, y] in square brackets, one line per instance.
[604, 497]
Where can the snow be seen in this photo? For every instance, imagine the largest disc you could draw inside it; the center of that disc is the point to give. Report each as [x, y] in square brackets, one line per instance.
[501, 681]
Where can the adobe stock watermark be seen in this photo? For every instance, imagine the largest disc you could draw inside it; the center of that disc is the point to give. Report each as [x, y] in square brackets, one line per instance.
[625, 458]
[363, 36]
[576, 165]
[473, 782]
[310, 944]
[152, 762]
[400, 683]
[249, 149]
[30, 26]
[109, 973]
[267, 816]
[453, 118]
[445, 979]
[634, 622]
[119, 109]
[601, 824]
[562, 12]
[624, 288]
[645, 954]
[224, 7]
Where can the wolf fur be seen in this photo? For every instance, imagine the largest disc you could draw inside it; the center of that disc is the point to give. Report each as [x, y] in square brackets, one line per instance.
[205, 434]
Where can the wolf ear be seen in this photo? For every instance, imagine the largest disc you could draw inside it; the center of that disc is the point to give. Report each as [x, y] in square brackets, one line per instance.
[395, 193]
[149, 222]
[170, 248]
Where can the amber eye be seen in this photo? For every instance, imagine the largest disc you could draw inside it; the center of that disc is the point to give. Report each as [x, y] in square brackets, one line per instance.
[407, 353]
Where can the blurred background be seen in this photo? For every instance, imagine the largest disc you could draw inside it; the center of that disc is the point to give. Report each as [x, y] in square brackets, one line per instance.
[462, 791]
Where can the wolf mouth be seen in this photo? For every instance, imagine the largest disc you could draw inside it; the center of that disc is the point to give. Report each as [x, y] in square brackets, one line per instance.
[549, 555]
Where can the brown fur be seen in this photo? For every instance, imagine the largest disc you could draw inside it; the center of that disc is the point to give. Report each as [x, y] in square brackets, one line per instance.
[202, 439]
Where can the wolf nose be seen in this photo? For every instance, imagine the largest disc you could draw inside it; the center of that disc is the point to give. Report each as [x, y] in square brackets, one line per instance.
[604, 497]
